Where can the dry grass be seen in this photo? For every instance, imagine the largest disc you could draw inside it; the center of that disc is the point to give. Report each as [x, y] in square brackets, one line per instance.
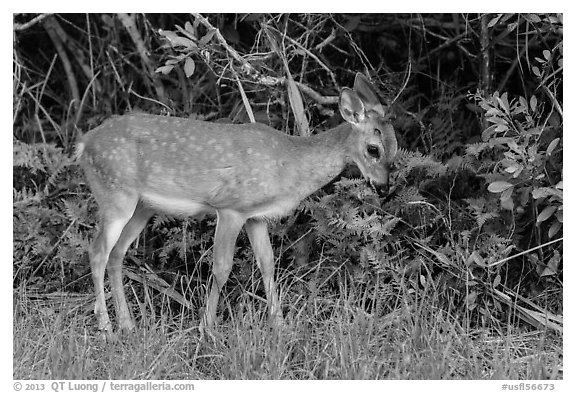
[322, 339]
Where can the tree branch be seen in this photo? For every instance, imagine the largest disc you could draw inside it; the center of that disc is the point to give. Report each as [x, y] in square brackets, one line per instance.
[27, 25]
[130, 25]
[51, 26]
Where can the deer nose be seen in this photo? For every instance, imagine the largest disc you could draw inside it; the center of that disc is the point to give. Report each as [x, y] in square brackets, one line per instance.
[380, 188]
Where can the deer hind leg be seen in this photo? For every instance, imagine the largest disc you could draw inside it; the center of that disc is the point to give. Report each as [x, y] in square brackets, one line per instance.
[227, 229]
[260, 240]
[114, 216]
[130, 232]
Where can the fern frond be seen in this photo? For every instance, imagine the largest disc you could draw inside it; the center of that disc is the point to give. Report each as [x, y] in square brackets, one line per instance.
[475, 149]
[406, 161]
[482, 218]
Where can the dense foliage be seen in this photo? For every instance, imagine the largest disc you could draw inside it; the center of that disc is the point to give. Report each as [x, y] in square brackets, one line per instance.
[475, 213]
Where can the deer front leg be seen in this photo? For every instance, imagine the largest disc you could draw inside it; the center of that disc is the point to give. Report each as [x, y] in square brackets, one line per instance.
[260, 240]
[227, 229]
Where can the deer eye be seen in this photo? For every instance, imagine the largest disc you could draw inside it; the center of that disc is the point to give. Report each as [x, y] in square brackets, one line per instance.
[377, 132]
[373, 151]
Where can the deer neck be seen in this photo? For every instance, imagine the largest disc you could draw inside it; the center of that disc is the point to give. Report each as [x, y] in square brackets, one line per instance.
[320, 158]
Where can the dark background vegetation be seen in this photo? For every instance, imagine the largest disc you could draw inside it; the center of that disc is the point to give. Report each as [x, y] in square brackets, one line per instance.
[475, 213]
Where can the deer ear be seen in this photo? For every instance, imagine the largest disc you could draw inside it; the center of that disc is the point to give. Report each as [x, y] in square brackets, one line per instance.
[368, 94]
[351, 106]
[390, 143]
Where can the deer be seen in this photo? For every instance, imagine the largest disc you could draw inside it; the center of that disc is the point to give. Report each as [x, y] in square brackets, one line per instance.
[137, 165]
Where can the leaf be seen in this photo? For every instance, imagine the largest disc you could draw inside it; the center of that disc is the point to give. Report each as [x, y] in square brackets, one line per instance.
[546, 213]
[188, 31]
[560, 215]
[487, 133]
[189, 67]
[554, 228]
[246, 102]
[523, 103]
[185, 42]
[297, 106]
[503, 101]
[536, 71]
[552, 146]
[273, 37]
[503, 140]
[493, 112]
[475, 258]
[499, 186]
[497, 281]
[547, 54]
[512, 26]
[471, 300]
[533, 18]
[442, 258]
[206, 39]
[542, 192]
[165, 69]
[176, 40]
[166, 33]
[494, 20]
[551, 268]
[533, 103]
[507, 204]
[506, 194]
[501, 128]
[524, 195]
[507, 17]
[496, 120]
[188, 27]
